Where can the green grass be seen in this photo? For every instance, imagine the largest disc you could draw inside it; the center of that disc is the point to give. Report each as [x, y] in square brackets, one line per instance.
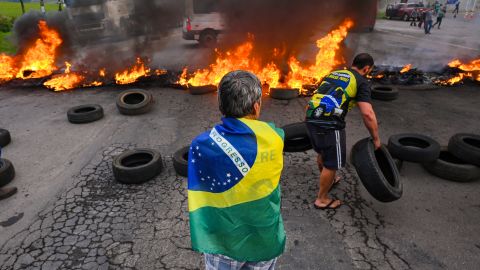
[14, 9]
[5, 45]
[381, 15]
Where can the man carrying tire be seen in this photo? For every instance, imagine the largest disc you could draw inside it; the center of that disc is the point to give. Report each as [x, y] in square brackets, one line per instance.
[326, 112]
[233, 182]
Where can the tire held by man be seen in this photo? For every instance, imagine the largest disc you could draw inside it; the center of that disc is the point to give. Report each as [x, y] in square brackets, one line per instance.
[296, 138]
[180, 161]
[466, 147]
[134, 102]
[7, 172]
[377, 171]
[137, 166]
[449, 167]
[5, 137]
[85, 114]
[414, 148]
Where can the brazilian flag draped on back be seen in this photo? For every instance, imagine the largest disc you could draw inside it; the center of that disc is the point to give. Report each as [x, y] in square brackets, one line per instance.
[234, 193]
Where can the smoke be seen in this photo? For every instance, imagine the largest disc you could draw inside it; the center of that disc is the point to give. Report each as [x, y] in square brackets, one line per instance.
[289, 25]
[102, 33]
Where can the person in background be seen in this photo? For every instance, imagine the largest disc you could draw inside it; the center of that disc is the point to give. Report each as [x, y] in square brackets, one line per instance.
[440, 16]
[428, 22]
[234, 172]
[421, 19]
[414, 17]
[456, 10]
[437, 6]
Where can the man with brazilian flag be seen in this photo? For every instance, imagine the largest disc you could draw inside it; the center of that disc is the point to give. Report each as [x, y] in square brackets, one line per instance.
[233, 182]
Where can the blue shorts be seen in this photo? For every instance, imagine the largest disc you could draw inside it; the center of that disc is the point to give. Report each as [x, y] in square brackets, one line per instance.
[220, 262]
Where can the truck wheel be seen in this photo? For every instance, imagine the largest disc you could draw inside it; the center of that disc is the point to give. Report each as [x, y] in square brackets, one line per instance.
[5, 138]
[208, 39]
[137, 166]
[134, 102]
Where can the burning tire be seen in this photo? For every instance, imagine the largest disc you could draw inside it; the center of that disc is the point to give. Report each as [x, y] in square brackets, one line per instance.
[414, 148]
[134, 102]
[449, 167]
[296, 138]
[7, 172]
[137, 166]
[377, 171]
[284, 93]
[384, 93]
[85, 114]
[466, 147]
[5, 138]
[208, 39]
[201, 90]
[180, 161]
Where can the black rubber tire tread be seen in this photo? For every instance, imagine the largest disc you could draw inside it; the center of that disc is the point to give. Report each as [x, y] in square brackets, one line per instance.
[296, 138]
[76, 117]
[449, 167]
[5, 137]
[180, 161]
[372, 173]
[398, 163]
[379, 94]
[464, 151]
[137, 174]
[411, 153]
[201, 90]
[7, 192]
[284, 93]
[135, 109]
[7, 172]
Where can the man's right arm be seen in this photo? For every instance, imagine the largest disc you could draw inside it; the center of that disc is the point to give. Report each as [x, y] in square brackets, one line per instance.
[370, 120]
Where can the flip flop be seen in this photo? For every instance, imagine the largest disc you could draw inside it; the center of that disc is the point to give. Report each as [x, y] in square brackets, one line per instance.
[328, 206]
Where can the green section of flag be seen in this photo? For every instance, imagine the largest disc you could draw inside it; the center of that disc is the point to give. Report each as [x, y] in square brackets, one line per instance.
[251, 231]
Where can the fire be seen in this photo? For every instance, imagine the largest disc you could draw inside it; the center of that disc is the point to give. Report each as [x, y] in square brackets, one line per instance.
[133, 74]
[36, 61]
[66, 81]
[406, 68]
[470, 70]
[299, 75]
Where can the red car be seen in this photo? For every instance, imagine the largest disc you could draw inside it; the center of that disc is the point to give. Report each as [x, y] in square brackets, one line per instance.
[403, 11]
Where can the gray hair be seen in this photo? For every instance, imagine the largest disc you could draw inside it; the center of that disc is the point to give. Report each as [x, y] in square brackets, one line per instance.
[238, 92]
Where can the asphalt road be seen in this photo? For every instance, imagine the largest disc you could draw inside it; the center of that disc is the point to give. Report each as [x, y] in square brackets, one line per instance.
[71, 214]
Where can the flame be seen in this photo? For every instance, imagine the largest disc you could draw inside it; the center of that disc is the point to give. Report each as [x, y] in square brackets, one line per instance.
[133, 74]
[102, 72]
[470, 70]
[36, 61]
[299, 75]
[66, 81]
[406, 68]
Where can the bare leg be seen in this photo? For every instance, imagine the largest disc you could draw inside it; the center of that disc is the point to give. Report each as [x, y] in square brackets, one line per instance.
[326, 181]
[320, 167]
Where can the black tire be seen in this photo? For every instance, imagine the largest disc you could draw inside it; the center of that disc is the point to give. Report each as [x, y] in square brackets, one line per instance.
[208, 39]
[296, 138]
[137, 166]
[5, 137]
[7, 172]
[384, 93]
[449, 167]
[414, 148]
[85, 114]
[466, 147]
[201, 90]
[134, 102]
[180, 161]
[398, 163]
[284, 93]
[377, 171]
[7, 192]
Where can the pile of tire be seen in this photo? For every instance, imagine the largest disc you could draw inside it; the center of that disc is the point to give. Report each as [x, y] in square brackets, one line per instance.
[460, 161]
[377, 171]
[7, 171]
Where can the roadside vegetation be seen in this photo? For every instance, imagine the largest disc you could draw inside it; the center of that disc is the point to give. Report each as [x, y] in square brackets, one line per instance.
[9, 11]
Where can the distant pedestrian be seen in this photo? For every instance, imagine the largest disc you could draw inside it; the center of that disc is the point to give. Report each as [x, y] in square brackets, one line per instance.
[414, 17]
[437, 7]
[421, 19]
[428, 21]
[440, 16]
[456, 10]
